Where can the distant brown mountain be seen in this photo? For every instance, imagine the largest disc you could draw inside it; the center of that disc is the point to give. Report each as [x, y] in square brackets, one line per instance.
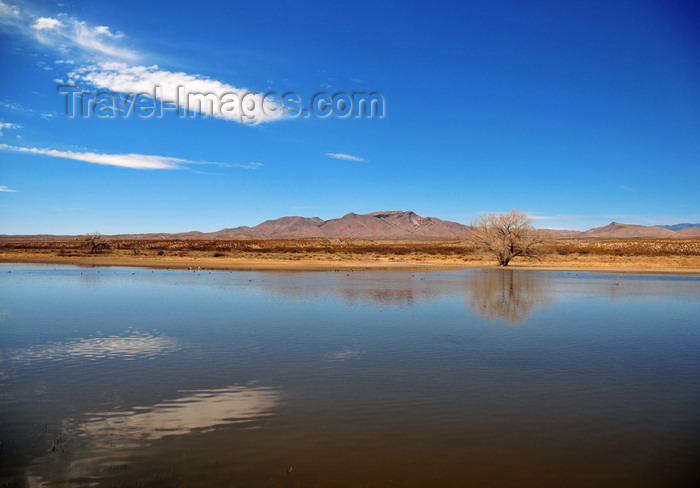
[409, 225]
[564, 233]
[682, 226]
[689, 232]
[391, 224]
[617, 230]
[377, 225]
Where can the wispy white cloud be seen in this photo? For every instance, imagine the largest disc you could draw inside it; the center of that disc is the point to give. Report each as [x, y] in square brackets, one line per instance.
[10, 105]
[70, 36]
[102, 61]
[8, 125]
[8, 13]
[97, 39]
[222, 100]
[43, 23]
[133, 161]
[16, 107]
[247, 165]
[6, 189]
[345, 157]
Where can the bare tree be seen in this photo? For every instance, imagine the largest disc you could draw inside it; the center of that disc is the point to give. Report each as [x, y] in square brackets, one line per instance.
[507, 236]
[94, 241]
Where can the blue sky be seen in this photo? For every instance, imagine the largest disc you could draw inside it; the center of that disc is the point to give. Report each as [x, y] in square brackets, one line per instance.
[579, 113]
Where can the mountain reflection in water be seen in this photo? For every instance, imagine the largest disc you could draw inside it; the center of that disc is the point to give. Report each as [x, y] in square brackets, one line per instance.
[504, 294]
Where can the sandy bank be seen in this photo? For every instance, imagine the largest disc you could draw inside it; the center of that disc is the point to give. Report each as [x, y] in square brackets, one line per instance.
[313, 264]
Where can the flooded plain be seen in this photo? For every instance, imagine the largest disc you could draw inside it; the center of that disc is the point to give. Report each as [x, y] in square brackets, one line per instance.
[483, 377]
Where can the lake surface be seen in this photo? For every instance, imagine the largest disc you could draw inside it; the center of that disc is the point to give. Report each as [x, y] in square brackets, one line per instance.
[138, 377]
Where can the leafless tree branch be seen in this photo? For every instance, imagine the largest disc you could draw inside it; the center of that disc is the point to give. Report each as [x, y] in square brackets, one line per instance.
[507, 236]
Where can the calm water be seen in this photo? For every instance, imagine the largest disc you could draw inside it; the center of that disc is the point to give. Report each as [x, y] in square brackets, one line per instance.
[132, 377]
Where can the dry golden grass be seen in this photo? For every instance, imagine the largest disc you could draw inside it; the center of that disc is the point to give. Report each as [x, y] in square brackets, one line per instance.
[652, 254]
[625, 247]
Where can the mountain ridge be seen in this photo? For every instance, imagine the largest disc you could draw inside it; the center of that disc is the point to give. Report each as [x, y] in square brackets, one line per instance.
[391, 224]
[683, 226]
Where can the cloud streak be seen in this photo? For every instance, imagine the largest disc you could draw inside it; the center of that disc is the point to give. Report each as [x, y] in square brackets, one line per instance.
[6, 189]
[70, 36]
[8, 125]
[46, 23]
[103, 62]
[179, 87]
[345, 157]
[132, 161]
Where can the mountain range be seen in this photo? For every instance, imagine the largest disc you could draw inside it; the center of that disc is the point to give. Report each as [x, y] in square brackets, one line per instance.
[617, 230]
[680, 226]
[376, 225]
[394, 224]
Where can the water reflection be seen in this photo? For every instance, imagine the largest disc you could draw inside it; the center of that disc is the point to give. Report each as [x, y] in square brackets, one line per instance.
[603, 390]
[389, 296]
[133, 345]
[106, 442]
[504, 294]
[345, 354]
[507, 294]
[197, 411]
[359, 289]
[91, 280]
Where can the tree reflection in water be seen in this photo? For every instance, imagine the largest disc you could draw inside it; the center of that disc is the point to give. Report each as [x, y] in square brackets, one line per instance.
[507, 294]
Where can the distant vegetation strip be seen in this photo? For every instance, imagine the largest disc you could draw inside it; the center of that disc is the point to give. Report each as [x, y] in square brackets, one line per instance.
[337, 246]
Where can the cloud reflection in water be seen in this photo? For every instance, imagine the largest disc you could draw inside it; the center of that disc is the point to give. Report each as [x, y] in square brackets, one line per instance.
[133, 346]
[344, 355]
[198, 411]
[104, 441]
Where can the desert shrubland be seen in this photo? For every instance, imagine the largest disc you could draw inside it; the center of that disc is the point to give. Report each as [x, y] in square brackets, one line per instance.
[683, 253]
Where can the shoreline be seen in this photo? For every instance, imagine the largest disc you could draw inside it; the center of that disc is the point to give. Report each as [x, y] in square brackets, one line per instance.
[347, 265]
